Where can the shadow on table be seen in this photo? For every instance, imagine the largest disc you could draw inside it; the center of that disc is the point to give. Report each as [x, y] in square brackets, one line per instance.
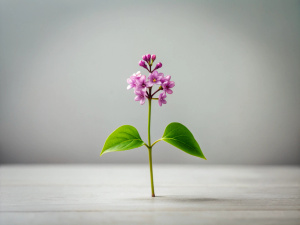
[178, 199]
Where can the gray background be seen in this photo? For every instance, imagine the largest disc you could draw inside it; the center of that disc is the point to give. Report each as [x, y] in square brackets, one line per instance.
[64, 66]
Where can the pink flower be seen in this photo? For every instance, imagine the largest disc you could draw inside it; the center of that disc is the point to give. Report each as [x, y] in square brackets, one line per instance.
[167, 85]
[166, 78]
[132, 80]
[155, 78]
[131, 83]
[140, 96]
[142, 83]
[161, 99]
[137, 74]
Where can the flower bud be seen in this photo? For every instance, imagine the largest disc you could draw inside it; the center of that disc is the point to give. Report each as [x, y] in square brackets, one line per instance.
[145, 58]
[149, 57]
[153, 57]
[143, 64]
[158, 65]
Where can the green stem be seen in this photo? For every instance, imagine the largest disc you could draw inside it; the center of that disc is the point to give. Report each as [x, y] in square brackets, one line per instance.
[149, 121]
[155, 142]
[150, 147]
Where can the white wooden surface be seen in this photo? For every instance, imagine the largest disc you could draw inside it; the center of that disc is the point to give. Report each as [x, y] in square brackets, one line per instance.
[120, 194]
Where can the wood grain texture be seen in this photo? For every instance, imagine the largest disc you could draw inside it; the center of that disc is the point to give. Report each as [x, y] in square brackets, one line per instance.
[120, 194]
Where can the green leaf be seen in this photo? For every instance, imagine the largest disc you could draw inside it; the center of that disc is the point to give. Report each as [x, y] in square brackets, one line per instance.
[178, 135]
[124, 138]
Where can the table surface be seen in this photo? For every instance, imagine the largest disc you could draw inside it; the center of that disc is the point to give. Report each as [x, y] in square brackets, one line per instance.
[120, 194]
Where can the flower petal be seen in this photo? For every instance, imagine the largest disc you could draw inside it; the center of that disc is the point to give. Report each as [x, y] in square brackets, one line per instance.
[160, 76]
[169, 91]
[171, 84]
[149, 84]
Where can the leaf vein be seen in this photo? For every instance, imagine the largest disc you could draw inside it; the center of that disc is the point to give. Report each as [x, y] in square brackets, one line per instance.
[125, 141]
[181, 142]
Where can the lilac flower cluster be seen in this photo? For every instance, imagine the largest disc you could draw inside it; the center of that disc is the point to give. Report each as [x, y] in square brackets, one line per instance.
[143, 85]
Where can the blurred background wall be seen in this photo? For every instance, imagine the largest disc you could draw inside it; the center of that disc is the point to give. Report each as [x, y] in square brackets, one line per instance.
[64, 65]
